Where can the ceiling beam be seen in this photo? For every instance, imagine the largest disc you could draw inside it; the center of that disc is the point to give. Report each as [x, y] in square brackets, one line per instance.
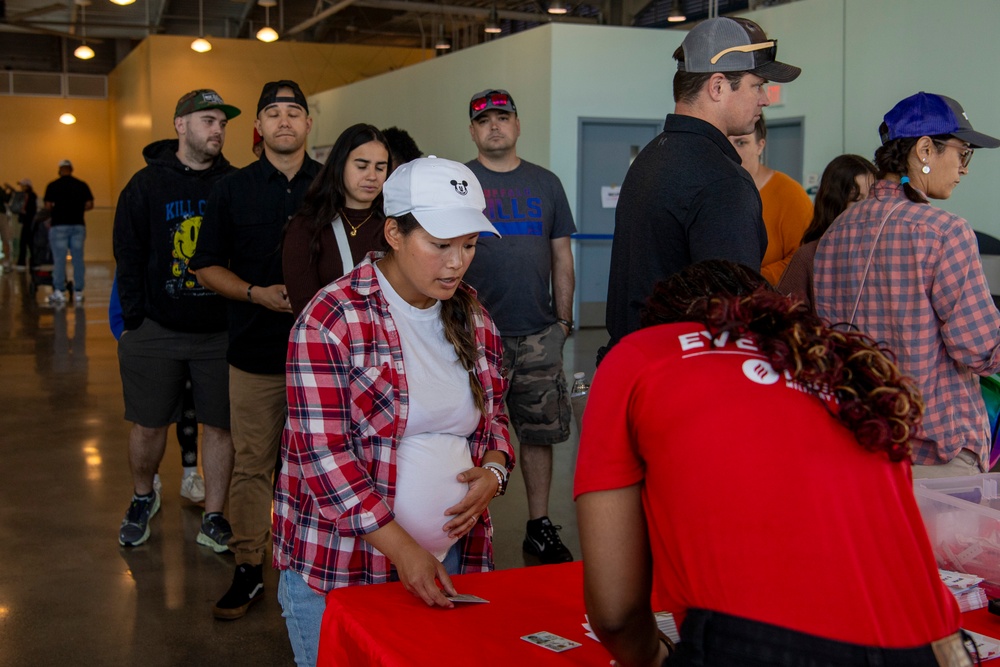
[316, 18]
[477, 12]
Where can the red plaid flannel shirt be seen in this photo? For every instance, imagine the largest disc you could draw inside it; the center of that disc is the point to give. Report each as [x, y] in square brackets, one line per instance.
[347, 408]
[926, 297]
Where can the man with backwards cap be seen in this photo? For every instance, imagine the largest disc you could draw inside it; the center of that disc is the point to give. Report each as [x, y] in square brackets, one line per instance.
[525, 280]
[174, 328]
[67, 198]
[909, 274]
[239, 256]
[686, 198]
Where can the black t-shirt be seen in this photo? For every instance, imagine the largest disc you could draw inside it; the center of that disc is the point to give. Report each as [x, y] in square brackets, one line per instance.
[686, 198]
[69, 197]
[242, 230]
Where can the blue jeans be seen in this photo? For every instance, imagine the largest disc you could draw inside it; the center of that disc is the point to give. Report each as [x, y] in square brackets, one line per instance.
[63, 238]
[302, 609]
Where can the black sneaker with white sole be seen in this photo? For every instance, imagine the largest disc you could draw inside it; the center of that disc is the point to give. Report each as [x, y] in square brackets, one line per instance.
[541, 538]
[248, 584]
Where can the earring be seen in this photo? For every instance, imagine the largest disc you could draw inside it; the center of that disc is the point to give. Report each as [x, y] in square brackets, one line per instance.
[925, 169]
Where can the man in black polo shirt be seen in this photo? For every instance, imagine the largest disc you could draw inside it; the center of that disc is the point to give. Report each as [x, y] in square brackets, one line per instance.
[239, 256]
[67, 198]
[686, 198]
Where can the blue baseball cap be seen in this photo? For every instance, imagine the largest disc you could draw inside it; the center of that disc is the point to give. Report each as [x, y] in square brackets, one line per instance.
[928, 115]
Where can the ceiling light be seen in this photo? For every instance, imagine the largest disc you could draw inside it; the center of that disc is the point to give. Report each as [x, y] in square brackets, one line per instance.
[676, 15]
[267, 33]
[493, 24]
[201, 45]
[67, 119]
[83, 52]
[123, 2]
[442, 43]
[557, 7]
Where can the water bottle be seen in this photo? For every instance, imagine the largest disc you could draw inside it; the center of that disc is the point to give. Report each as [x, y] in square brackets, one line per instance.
[578, 397]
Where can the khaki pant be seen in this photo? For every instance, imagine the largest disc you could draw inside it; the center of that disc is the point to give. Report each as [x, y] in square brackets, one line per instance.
[257, 412]
[964, 464]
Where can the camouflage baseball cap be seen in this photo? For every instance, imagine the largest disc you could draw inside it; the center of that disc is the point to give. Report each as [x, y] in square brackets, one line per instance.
[201, 100]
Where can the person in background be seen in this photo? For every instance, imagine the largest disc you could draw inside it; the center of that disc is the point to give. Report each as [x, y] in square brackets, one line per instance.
[174, 328]
[341, 217]
[526, 280]
[396, 439]
[909, 273]
[786, 207]
[258, 143]
[766, 557]
[67, 198]
[845, 182]
[685, 197]
[402, 147]
[25, 216]
[239, 256]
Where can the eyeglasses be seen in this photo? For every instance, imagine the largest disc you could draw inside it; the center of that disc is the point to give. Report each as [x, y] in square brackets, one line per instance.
[964, 155]
[771, 46]
[490, 99]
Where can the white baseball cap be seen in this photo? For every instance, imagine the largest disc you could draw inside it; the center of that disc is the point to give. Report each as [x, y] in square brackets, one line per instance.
[444, 196]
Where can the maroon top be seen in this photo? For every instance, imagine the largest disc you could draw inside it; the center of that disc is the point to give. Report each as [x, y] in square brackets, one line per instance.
[305, 274]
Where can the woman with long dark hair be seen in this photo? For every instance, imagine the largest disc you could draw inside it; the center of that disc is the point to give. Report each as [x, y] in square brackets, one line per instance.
[396, 439]
[746, 467]
[845, 182]
[908, 273]
[341, 218]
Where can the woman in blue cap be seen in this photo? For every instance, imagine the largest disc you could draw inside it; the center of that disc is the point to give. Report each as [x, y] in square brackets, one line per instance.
[908, 273]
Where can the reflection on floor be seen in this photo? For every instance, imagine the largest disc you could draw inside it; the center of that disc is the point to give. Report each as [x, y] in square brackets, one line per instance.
[68, 593]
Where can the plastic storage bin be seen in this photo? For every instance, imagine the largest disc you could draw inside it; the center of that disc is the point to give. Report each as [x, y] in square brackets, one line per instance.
[962, 516]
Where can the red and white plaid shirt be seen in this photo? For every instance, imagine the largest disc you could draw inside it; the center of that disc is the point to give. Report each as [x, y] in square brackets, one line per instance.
[347, 409]
[926, 298]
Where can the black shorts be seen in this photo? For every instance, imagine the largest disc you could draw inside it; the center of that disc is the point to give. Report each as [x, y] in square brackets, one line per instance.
[154, 362]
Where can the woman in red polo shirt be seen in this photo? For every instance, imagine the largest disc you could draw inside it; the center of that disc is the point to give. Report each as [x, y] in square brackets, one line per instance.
[749, 468]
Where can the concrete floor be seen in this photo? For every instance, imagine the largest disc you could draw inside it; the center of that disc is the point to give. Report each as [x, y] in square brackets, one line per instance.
[69, 594]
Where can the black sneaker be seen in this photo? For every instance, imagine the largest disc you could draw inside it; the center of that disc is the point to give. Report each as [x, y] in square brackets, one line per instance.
[248, 584]
[542, 539]
[215, 532]
[135, 526]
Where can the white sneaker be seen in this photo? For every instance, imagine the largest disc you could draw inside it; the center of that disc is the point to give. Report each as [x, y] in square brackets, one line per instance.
[193, 488]
[78, 297]
[157, 484]
[57, 296]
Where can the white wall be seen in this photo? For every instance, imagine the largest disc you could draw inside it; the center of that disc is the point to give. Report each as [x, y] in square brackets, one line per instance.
[858, 58]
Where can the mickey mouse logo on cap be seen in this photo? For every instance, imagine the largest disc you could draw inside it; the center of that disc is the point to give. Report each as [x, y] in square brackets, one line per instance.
[461, 187]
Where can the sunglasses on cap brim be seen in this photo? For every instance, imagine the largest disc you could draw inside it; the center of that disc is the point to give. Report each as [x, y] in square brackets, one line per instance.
[771, 46]
[492, 99]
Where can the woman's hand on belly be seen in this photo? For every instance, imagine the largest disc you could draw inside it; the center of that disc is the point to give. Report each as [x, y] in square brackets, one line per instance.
[483, 486]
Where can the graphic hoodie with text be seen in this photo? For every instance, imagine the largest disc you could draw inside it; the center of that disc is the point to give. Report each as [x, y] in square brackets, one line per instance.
[155, 234]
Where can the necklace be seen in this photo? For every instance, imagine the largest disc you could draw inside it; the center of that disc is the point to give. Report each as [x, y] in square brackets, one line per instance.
[355, 228]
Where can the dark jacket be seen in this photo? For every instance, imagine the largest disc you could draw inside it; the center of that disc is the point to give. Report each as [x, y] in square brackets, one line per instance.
[157, 223]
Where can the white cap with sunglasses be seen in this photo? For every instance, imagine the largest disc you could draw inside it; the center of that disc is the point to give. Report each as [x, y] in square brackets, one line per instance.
[444, 196]
[491, 98]
[733, 45]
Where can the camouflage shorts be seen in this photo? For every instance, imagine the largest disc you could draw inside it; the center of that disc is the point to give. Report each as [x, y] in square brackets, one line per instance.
[537, 398]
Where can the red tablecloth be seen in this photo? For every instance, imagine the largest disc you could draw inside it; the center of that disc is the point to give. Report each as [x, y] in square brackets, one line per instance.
[386, 626]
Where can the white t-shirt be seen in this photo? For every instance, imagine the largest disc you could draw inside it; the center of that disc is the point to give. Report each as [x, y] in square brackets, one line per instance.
[442, 415]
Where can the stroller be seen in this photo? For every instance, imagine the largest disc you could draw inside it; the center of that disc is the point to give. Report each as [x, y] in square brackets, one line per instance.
[40, 263]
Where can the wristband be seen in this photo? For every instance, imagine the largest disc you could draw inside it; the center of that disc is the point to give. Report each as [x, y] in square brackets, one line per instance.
[501, 474]
[249, 296]
[566, 323]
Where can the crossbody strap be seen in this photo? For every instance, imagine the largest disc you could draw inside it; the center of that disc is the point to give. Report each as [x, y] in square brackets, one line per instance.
[342, 244]
[871, 254]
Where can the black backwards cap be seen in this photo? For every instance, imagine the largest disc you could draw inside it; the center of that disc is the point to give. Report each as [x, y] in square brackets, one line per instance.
[269, 95]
